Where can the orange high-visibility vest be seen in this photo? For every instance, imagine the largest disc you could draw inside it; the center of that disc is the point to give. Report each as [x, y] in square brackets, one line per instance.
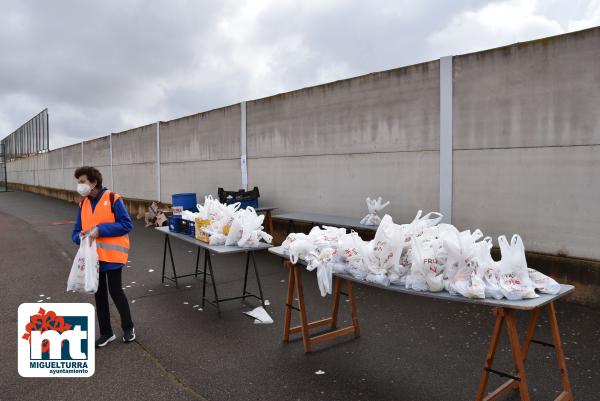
[110, 249]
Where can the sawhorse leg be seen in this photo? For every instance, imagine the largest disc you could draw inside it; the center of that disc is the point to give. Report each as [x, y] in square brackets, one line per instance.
[245, 292]
[208, 262]
[168, 245]
[291, 227]
[295, 285]
[269, 221]
[197, 262]
[519, 381]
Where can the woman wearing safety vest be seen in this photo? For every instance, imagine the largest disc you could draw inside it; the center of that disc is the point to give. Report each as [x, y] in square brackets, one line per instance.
[103, 217]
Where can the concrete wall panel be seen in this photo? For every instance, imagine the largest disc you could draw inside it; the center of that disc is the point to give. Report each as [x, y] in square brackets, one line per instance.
[134, 146]
[97, 152]
[201, 177]
[540, 93]
[214, 135]
[547, 195]
[135, 180]
[339, 184]
[55, 159]
[72, 156]
[396, 110]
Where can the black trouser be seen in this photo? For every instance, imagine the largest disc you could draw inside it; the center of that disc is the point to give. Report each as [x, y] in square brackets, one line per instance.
[115, 287]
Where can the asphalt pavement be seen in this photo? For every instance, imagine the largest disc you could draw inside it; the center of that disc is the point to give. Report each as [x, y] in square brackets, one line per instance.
[411, 348]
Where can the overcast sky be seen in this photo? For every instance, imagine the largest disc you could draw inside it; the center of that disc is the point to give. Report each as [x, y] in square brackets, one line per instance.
[107, 66]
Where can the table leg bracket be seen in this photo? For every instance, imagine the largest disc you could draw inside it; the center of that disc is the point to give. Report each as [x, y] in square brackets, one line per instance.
[295, 286]
[505, 316]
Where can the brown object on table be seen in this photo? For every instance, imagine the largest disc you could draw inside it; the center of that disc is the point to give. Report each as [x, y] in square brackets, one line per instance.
[156, 216]
[295, 284]
[268, 217]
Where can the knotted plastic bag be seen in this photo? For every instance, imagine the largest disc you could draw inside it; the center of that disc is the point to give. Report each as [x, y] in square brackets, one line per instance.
[374, 206]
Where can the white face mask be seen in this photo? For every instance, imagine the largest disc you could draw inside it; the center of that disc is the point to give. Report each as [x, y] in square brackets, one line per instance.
[84, 189]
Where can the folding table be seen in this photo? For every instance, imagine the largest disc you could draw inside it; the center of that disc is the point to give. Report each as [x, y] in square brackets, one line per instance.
[504, 311]
[322, 219]
[214, 249]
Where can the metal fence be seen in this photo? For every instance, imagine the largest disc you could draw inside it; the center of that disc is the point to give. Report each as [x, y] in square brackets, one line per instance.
[3, 176]
[30, 138]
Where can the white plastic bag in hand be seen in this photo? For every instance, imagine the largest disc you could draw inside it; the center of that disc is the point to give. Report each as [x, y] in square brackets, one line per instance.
[514, 277]
[85, 269]
[374, 206]
[543, 283]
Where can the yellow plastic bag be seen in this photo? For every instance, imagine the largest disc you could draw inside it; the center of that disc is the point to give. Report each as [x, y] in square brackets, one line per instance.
[200, 234]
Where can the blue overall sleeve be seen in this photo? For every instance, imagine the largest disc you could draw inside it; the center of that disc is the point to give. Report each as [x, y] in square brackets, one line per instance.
[77, 228]
[122, 224]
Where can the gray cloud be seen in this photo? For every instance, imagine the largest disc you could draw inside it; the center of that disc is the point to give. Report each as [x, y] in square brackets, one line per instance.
[104, 67]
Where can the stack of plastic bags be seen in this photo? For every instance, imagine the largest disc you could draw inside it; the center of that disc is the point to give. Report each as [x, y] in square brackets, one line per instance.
[246, 229]
[230, 225]
[424, 256]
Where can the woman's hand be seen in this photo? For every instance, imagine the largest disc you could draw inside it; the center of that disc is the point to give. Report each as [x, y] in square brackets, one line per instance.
[93, 234]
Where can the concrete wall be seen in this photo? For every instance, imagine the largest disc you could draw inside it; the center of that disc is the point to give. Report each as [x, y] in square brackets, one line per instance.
[526, 139]
[526, 136]
[328, 147]
[134, 162]
[97, 153]
[72, 158]
[201, 152]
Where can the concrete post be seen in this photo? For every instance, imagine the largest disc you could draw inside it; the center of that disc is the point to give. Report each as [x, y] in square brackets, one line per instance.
[244, 160]
[446, 138]
[158, 161]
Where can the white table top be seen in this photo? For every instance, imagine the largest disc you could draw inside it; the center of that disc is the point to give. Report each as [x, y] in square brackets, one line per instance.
[220, 249]
[325, 219]
[525, 304]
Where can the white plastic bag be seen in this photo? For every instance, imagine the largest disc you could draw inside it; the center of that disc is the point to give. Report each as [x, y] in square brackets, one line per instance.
[426, 274]
[514, 277]
[324, 273]
[252, 229]
[461, 265]
[85, 269]
[235, 232]
[374, 206]
[303, 249]
[354, 252]
[388, 244]
[419, 223]
[543, 283]
[488, 269]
